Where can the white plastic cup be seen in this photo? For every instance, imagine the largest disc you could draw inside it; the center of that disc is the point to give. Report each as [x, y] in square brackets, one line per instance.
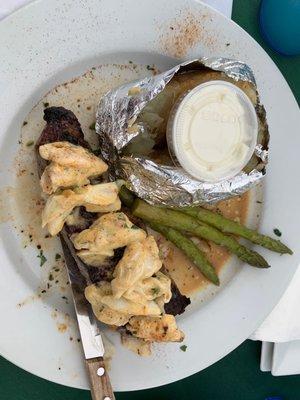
[232, 120]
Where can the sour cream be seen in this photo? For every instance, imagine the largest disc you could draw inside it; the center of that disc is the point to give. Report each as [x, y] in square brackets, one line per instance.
[212, 131]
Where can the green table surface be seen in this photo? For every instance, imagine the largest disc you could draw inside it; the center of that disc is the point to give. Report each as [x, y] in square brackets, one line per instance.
[235, 377]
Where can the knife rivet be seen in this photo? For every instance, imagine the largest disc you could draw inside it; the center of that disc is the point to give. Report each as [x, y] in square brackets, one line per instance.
[100, 371]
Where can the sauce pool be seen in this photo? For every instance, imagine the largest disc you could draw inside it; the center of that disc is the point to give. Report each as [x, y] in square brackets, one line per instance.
[186, 275]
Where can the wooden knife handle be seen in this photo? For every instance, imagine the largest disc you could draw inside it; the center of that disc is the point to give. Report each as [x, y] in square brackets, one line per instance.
[100, 384]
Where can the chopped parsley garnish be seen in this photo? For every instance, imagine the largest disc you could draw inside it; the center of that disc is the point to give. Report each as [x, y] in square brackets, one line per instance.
[42, 258]
[92, 127]
[149, 68]
[155, 291]
[46, 104]
[25, 123]
[183, 347]
[277, 232]
[50, 277]
[57, 256]
[29, 143]
[135, 227]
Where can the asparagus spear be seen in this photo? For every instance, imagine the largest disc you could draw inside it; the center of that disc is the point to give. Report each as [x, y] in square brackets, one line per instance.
[183, 222]
[126, 196]
[228, 226]
[186, 245]
[190, 250]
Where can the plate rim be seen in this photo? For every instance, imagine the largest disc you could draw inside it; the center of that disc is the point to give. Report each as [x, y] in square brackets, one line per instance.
[32, 5]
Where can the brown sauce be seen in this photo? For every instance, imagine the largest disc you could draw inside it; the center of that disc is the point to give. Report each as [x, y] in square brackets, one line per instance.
[186, 275]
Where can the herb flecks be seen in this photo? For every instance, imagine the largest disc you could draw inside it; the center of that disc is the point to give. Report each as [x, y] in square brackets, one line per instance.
[57, 257]
[42, 258]
[150, 68]
[92, 127]
[155, 291]
[46, 104]
[277, 232]
[183, 348]
[135, 227]
[29, 143]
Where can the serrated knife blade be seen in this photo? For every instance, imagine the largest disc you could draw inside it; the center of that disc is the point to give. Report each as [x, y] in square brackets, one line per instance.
[89, 331]
[90, 334]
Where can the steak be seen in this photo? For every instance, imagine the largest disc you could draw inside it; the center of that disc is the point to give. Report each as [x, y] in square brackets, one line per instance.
[62, 125]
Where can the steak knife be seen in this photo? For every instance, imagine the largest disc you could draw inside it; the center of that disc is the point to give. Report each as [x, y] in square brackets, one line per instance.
[90, 335]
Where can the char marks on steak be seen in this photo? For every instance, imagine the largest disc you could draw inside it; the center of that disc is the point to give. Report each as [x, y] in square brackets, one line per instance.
[62, 126]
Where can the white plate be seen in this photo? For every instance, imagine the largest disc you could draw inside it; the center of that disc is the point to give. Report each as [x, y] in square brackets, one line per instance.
[286, 358]
[49, 42]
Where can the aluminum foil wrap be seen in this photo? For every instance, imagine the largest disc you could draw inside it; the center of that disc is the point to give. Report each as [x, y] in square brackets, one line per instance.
[117, 125]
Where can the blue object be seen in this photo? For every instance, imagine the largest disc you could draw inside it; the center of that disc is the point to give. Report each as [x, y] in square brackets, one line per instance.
[280, 25]
[274, 398]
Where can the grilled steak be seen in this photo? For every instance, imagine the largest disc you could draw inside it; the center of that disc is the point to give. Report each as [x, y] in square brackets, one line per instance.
[62, 125]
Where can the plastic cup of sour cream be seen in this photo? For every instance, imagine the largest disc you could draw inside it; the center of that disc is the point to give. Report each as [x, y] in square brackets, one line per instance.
[212, 131]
